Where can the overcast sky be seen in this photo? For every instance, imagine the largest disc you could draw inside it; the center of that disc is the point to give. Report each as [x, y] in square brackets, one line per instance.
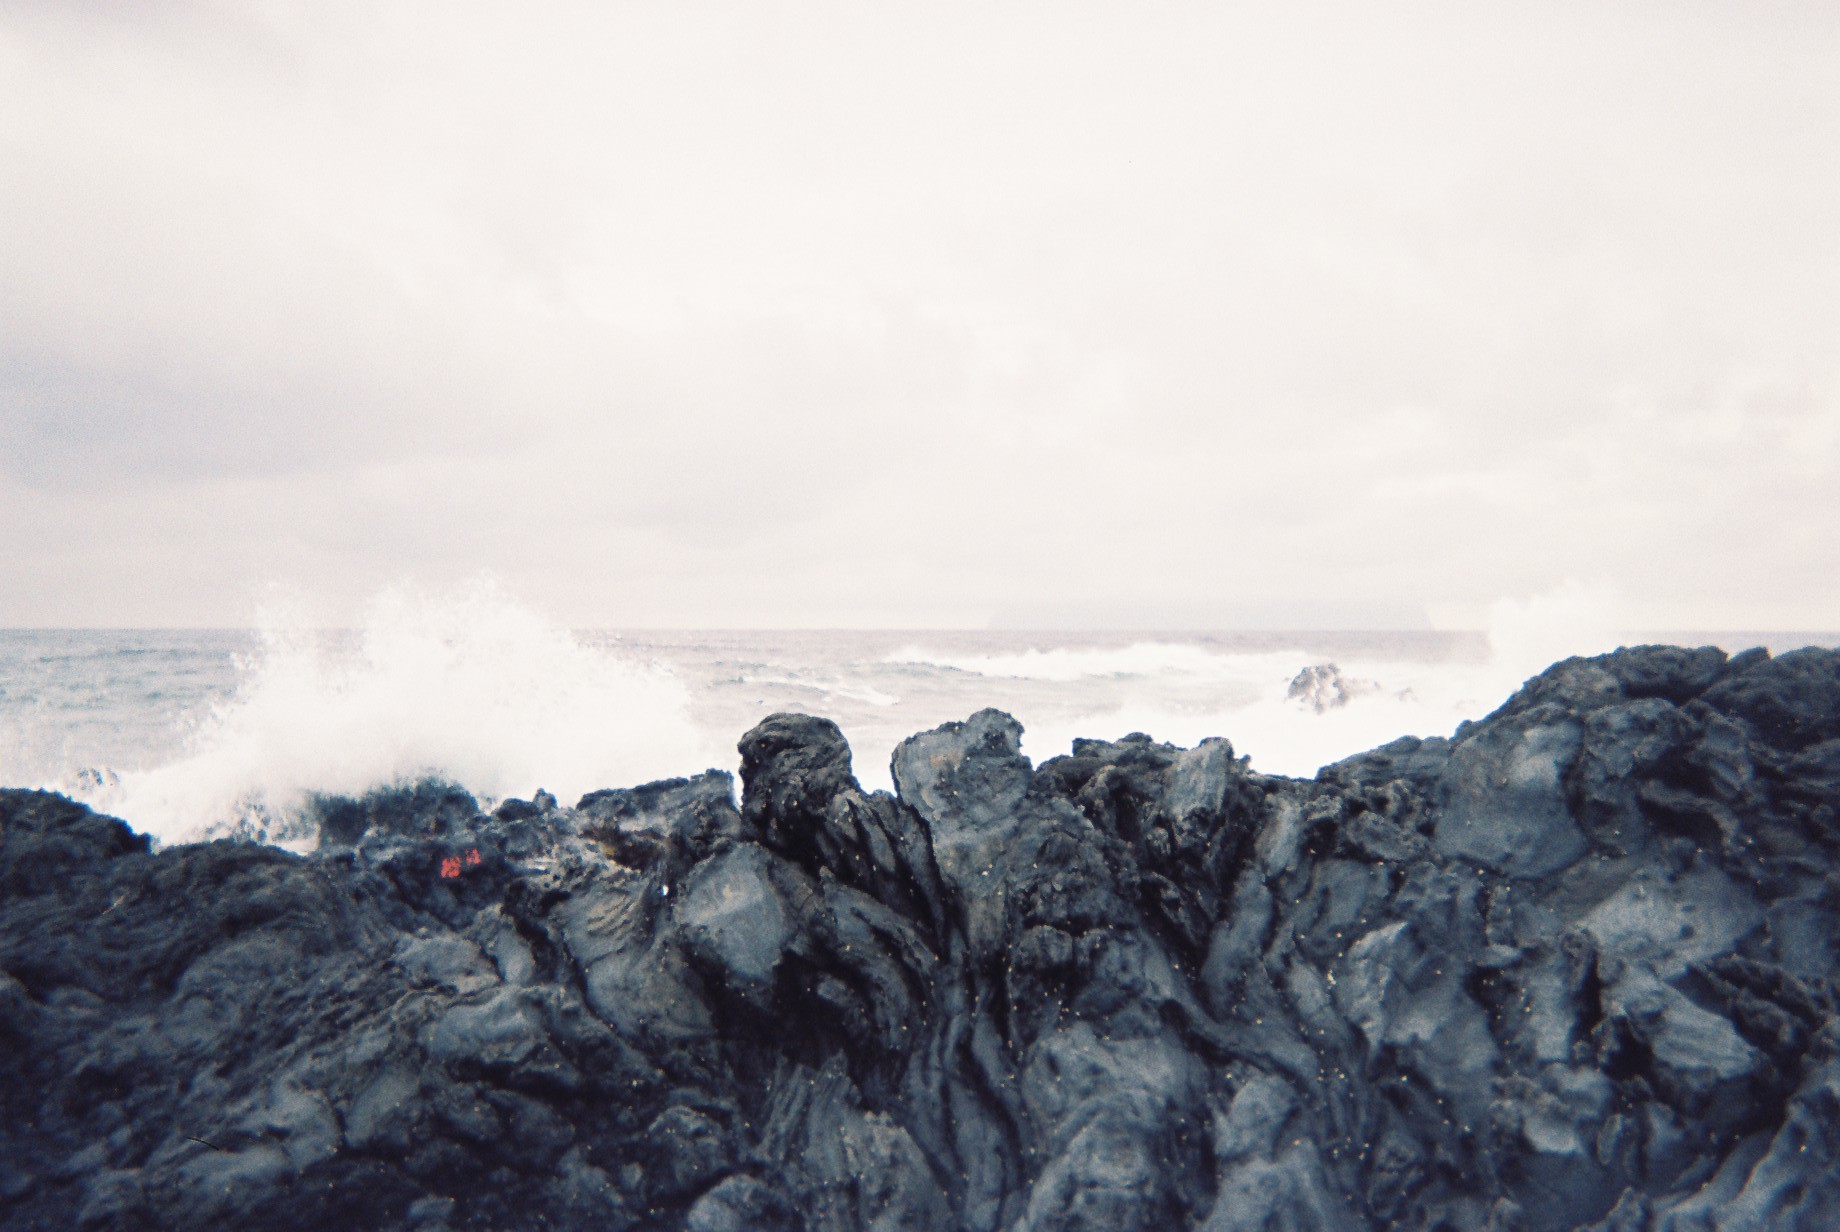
[922, 314]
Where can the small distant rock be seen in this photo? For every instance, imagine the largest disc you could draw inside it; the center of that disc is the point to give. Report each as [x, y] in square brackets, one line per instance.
[1322, 687]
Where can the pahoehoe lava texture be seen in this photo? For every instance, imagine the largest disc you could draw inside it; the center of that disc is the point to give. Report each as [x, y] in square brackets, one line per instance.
[1572, 968]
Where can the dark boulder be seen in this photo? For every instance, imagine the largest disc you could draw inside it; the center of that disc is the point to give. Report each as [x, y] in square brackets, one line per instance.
[1572, 968]
[1791, 701]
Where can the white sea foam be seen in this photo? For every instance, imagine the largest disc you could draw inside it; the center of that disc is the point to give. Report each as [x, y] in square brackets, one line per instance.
[481, 690]
[1280, 735]
[1528, 635]
[470, 686]
[1068, 664]
[1284, 736]
[824, 687]
[1184, 692]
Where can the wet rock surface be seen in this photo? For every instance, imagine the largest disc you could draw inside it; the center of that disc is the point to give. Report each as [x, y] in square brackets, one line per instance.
[1571, 968]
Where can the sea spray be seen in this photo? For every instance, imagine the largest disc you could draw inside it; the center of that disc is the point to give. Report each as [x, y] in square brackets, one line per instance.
[192, 732]
[469, 686]
[1187, 691]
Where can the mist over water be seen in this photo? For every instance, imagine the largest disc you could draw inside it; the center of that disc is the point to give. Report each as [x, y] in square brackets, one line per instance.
[187, 734]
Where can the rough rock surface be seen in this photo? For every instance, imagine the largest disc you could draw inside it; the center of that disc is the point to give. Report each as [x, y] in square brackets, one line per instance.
[1572, 968]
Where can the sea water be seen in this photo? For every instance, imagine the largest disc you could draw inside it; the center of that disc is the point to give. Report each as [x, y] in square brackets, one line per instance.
[192, 733]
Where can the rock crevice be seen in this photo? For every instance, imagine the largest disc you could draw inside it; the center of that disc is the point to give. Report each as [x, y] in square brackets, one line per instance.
[1570, 969]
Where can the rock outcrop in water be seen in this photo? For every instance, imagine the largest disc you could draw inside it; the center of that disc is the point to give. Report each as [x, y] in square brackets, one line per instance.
[1572, 968]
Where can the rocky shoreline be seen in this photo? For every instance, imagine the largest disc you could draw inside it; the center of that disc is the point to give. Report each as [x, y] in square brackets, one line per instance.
[1572, 968]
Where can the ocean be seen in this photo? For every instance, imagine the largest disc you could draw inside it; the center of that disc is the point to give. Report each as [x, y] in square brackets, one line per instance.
[189, 734]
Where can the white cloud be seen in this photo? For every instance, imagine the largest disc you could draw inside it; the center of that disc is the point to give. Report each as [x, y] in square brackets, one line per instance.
[821, 314]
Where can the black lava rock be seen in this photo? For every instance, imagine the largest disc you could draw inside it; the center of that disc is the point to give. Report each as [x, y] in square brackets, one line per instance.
[1571, 969]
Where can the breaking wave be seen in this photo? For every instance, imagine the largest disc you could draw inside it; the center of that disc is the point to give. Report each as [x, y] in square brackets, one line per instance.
[1068, 664]
[162, 730]
[471, 687]
[1184, 692]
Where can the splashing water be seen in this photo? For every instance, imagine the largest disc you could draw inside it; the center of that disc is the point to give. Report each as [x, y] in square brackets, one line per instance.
[163, 729]
[471, 687]
[1183, 693]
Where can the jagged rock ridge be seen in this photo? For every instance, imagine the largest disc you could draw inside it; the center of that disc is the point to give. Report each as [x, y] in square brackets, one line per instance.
[1569, 969]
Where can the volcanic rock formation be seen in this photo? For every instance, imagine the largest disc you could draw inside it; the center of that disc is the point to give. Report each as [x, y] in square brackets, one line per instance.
[1571, 968]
